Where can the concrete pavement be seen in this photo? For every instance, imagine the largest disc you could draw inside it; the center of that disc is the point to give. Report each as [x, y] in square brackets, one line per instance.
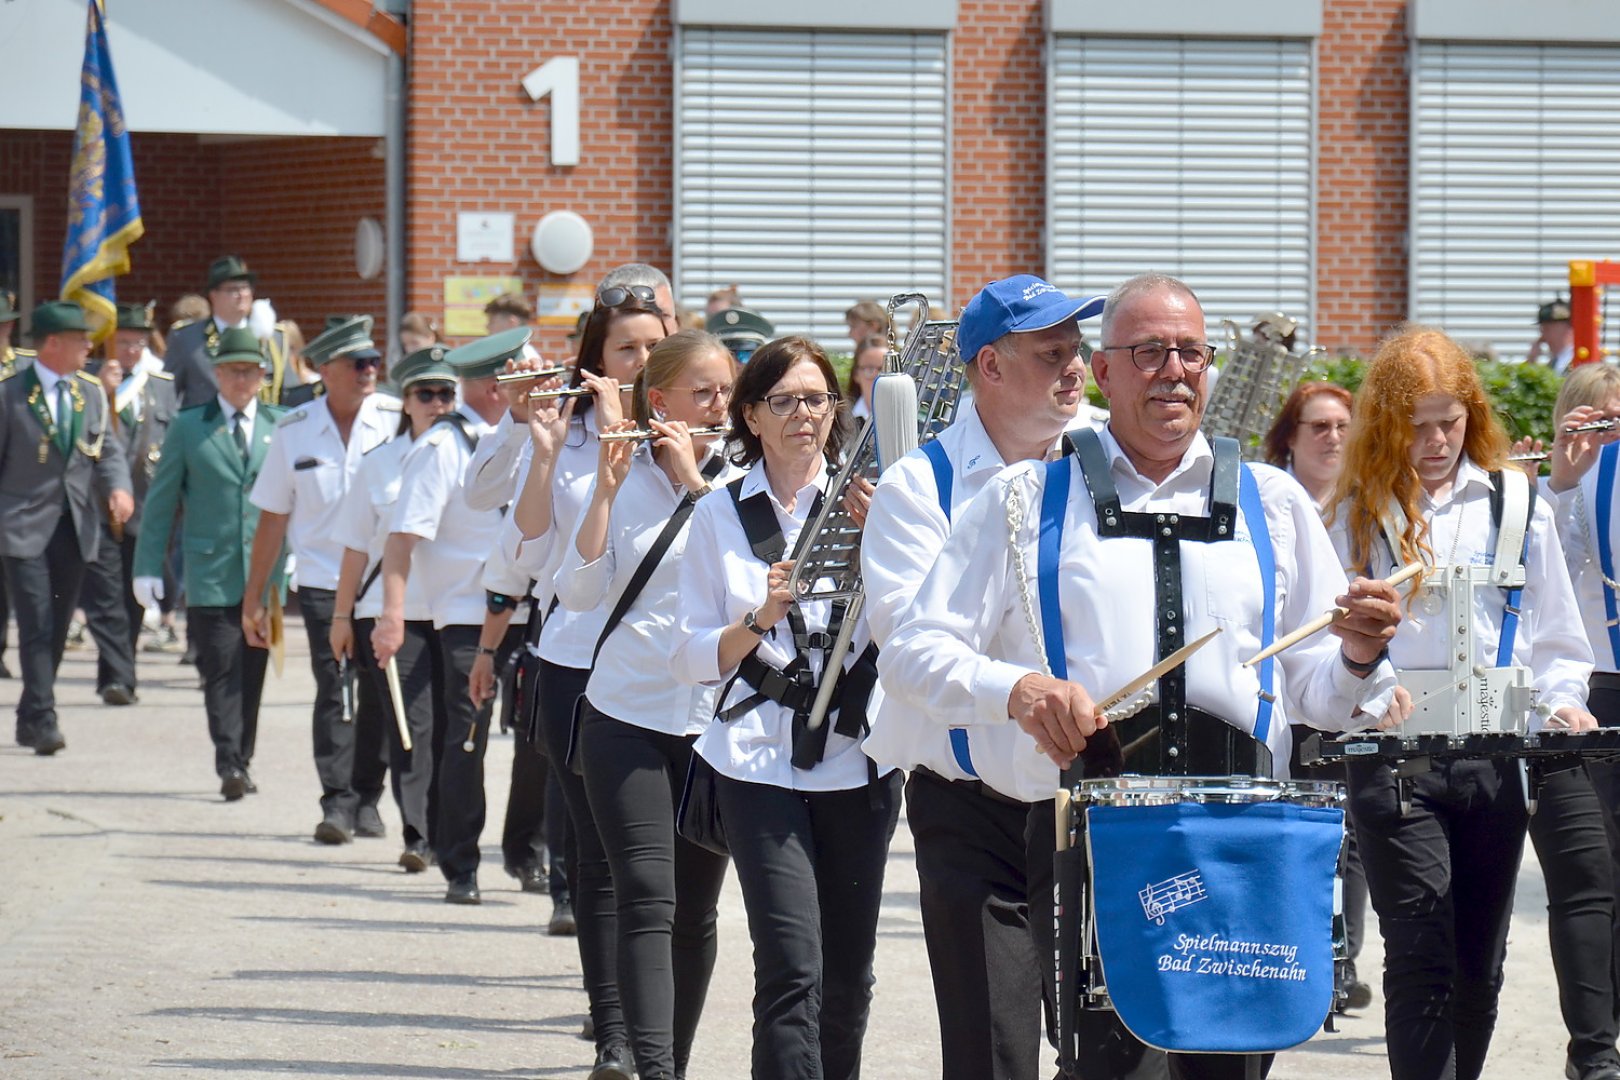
[147, 927]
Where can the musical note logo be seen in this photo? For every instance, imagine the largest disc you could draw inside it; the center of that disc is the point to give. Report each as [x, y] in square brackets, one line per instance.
[1171, 895]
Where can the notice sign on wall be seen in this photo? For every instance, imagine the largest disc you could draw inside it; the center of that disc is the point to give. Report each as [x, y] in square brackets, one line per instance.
[485, 237]
[464, 300]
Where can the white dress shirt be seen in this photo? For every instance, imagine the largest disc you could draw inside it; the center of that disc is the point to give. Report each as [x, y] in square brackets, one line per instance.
[250, 413]
[905, 531]
[630, 680]
[307, 474]
[47, 387]
[966, 640]
[432, 506]
[720, 579]
[1577, 519]
[495, 473]
[362, 525]
[1551, 641]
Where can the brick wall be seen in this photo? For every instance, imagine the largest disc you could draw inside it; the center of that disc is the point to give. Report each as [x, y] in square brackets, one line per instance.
[478, 144]
[998, 145]
[1363, 165]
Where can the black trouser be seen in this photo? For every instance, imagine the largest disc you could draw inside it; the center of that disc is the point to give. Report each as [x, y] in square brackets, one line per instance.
[811, 865]
[349, 756]
[537, 825]
[1604, 702]
[459, 814]
[421, 688]
[1441, 878]
[5, 617]
[595, 910]
[1107, 1051]
[44, 589]
[666, 887]
[975, 911]
[233, 682]
[106, 597]
[1351, 874]
[1573, 848]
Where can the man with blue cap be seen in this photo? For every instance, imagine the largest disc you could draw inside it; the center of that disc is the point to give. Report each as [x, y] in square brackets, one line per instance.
[1020, 339]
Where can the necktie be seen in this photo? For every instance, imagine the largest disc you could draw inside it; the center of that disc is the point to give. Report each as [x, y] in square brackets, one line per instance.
[241, 436]
[64, 418]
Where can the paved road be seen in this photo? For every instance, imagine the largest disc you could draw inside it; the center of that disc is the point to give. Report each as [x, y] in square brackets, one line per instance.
[148, 928]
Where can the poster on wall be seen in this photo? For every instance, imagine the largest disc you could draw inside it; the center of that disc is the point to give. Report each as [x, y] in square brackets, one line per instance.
[561, 304]
[464, 300]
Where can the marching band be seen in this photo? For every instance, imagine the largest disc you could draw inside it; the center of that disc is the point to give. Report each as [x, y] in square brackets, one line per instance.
[1078, 647]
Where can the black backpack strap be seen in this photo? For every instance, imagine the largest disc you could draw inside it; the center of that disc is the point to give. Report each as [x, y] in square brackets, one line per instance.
[459, 422]
[365, 586]
[655, 555]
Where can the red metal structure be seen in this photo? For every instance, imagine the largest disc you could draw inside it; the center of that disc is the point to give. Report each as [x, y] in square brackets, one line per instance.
[1587, 280]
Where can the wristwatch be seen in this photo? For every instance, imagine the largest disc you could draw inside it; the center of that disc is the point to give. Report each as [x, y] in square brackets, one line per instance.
[482, 651]
[752, 623]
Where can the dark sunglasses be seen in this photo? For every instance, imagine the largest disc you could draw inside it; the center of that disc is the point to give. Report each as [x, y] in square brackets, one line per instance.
[427, 395]
[365, 363]
[614, 295]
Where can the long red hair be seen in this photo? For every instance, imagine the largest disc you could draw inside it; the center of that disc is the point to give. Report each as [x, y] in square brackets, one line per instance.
[1416, 362]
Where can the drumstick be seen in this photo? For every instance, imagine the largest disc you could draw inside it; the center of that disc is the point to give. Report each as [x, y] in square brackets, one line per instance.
[1168, 664]
[391, 671]
[1324, 620]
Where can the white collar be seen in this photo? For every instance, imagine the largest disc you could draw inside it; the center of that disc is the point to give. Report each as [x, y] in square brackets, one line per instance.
[229, 410]
[756, 481]
[221, 325]
[1468, 474]
[48, 378]
[1199, 455]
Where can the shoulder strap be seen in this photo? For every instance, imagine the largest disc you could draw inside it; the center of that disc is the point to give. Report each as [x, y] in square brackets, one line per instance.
[942, 474]
[1223, 486]
[1054, 505]
[1513, 500]
[1087, 446]
[459, 422]
[1254, 513]
[759, 524]
[655, 555]
[1603, 514]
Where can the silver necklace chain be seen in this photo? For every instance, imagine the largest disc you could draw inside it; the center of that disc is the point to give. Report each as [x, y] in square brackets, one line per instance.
[1586, 530]
[1015, 525]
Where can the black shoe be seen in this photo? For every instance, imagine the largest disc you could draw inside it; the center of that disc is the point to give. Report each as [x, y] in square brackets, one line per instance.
[1604, 1067]
[334, 829]
[44, 739]
[189, 656]
[613, 1063]
[530, 878]
[1358, 995]
[118, 694]
[233, 784]
[369, 823]
[587, 1030]
[463, 890]
[416, 857]
[562, 922]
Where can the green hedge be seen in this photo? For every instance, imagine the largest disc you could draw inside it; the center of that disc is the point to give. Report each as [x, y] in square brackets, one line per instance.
[1524, 394]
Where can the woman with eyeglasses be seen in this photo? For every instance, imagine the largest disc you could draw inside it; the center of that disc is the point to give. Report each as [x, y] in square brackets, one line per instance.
[637, 727]
[805, 813]
[620, 334]
[1307, 438]
[428, 388]
[863, 372]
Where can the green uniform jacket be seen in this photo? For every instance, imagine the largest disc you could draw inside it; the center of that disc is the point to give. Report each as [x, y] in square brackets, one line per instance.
[201, 470]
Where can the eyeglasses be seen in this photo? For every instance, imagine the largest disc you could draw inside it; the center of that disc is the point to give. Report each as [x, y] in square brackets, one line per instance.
[1152, 355]
[704, 396]
[427, 395]
[614, 295]
[788, 404]
[1321, 428]
[365, 363]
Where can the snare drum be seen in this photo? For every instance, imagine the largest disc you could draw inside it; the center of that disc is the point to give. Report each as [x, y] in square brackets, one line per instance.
[1206, 900]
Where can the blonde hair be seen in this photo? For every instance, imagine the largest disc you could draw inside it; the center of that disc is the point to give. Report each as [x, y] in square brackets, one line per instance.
[667, 361]
[1591, 385]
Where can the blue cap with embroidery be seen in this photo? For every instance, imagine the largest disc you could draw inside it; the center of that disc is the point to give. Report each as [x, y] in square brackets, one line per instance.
[1018, 305]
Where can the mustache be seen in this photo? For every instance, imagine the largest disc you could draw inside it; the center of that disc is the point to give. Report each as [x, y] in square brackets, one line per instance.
[1176, 390]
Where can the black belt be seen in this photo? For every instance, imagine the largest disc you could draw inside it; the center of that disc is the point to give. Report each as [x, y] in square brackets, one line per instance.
[978, 787]
[1604, 680]
[1208, 746]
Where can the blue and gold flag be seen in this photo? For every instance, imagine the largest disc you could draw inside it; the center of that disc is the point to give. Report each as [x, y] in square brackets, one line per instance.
[104, 215]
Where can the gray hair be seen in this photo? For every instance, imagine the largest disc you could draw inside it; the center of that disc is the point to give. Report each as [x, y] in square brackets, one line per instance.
[635, 274]
[1136, 286]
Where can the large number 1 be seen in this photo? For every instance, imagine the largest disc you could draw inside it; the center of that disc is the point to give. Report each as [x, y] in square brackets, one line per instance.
[559, 77]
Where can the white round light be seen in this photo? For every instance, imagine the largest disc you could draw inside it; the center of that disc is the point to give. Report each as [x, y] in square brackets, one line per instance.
[562, 242]
[368, 248]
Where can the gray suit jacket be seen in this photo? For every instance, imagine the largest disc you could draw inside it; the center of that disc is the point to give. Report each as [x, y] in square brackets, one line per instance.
[143, 440]
[33, 493]
[187, 358]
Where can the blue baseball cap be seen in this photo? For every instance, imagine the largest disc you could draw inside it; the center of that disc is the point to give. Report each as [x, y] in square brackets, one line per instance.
[1017, 305]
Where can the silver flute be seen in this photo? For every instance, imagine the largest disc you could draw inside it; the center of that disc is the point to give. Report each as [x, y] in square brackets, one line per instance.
[570, 392]
[639, 435]
[1594, 425]
[520, 376]
[1543, 456]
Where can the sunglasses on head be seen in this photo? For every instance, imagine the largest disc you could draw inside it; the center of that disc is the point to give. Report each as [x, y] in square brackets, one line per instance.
[614, 295]
[427, 395]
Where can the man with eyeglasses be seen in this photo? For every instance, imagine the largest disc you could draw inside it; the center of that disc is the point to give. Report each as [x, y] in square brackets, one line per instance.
[191, 348]
[1143, 548]
[312, 460]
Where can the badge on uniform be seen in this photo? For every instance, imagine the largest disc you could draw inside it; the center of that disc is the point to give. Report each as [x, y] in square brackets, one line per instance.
[1214, 922]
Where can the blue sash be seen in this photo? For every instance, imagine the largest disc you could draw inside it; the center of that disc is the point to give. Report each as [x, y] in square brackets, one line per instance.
[1604, 511]
[942, 482]
[1212, 921]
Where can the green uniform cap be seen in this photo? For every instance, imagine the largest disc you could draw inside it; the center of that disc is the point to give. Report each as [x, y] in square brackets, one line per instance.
[740, 324]
[1557, 311]
[424, 365]
[485, 357]
[8, 306]
[238, 346]
[55, 317]
[343, 336]
[134, 317]
[227, 268]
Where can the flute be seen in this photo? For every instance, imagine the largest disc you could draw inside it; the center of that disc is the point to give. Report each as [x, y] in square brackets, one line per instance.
[571, 392]
[520, 376]
[1543, 456]
[638, 435]
[1594, 425]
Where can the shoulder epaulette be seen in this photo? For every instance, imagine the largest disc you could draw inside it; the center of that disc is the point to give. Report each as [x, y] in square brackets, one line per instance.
[292, 418]
[87, 377]
[436, 436]
[389, 403]
[12, 374]
[21, 353]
